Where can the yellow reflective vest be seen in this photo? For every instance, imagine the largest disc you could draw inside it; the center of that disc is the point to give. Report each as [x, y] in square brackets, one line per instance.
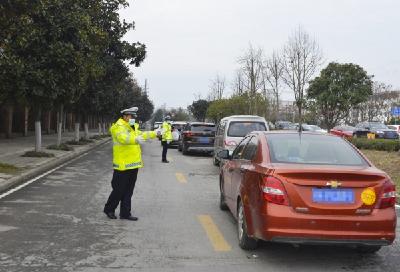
[167, 133]
[127, 153]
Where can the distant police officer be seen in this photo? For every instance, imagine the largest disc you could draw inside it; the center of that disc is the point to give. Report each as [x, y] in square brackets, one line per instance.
[127, 159]
[166, 133]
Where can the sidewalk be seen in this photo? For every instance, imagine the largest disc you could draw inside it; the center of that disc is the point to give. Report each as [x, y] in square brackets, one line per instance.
[28, 167]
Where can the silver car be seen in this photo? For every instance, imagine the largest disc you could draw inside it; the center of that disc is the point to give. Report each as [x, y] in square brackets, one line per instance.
[231, 130]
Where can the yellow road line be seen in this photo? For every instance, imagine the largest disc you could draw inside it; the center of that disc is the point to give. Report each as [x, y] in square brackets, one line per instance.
[170, 159]
[214, 235]
[180, 177]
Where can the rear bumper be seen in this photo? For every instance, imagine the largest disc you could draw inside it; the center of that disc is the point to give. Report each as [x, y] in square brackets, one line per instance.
[194, 145]
[283, 224]
[314, 241]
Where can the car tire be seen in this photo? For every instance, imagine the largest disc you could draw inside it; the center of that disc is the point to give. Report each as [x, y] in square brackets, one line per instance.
[222, 203]
[184, 149]
[245, 242]
[368, 249]
[215, 161]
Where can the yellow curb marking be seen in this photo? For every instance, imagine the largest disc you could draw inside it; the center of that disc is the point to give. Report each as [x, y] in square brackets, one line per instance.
[214, 235]
[180, 177]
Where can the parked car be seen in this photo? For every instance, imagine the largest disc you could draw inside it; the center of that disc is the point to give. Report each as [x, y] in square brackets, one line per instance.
[343, 131]
[197, 136]
[157, 127]
[232, 129]
[177, 127]
[283, 124]
[380, 130]
[307, 188]
[395, 128]
[314, 128]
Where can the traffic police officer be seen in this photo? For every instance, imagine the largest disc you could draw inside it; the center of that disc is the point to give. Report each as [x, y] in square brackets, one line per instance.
[127, 159]
[166, 137]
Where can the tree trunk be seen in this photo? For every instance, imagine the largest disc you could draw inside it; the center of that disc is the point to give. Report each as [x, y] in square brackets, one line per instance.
[100, 128]
[86, 126]
[60, 124]
[26, 121]
[104, 128]
[77, 128]
[64, 121]
[9, 120]
[38, 130]
[48, 122]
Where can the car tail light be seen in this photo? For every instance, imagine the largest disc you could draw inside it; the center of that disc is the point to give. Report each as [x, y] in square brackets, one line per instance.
[230, 143]
[388, 196]
[274, 191]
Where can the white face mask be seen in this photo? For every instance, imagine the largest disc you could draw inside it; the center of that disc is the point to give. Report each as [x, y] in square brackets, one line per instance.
[131, 122]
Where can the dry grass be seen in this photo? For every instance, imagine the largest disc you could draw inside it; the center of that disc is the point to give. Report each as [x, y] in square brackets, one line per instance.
[8, 168]
[386, 161]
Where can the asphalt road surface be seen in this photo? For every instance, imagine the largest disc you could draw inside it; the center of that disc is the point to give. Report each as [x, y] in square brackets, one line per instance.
[56, 224]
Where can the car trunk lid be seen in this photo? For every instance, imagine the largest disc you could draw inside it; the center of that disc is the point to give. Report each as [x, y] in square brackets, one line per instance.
[332, 190]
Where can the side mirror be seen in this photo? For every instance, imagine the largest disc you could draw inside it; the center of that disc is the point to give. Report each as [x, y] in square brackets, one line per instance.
[224, 154]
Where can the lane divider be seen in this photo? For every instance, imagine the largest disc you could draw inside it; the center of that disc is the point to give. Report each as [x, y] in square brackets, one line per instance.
[180, 177]
[214, 235]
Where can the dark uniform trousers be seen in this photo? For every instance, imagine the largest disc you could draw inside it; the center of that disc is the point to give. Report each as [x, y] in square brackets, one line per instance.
[123, 184]
[164, 150]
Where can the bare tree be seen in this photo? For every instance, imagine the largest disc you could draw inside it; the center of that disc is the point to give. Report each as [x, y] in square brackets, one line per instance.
[217, 88]
[301, 59]
[238, 83]
[273, 76]
[252, 69]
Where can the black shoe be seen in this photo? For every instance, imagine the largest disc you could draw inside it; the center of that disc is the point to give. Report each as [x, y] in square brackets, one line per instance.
[110, 215]
[165, 161]
[131, 218]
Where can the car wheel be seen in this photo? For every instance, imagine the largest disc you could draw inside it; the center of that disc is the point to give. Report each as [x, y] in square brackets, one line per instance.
[184, 149]
[215, 161]
[222, 203]
[245, 242]
[368, 249]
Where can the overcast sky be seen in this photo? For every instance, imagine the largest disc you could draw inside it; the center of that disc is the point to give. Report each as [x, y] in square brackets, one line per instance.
[190, 41]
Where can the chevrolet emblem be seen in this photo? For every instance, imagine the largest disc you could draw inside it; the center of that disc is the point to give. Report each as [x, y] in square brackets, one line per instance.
[333, 184]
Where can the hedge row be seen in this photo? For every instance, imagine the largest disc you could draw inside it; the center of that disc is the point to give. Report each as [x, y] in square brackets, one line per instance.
[376, 144]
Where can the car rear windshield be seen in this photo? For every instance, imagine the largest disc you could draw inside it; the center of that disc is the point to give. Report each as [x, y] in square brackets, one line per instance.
[312, 149]
[200, 127]
[242, 128]
[378, 126]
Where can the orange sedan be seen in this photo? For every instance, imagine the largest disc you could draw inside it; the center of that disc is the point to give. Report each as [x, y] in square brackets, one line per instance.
[306, 188]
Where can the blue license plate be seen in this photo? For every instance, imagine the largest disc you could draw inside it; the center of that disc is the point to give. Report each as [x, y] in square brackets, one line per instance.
[333, 195]
[203, 140]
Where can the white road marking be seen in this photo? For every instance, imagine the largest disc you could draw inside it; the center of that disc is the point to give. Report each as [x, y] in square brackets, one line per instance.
[39, 177]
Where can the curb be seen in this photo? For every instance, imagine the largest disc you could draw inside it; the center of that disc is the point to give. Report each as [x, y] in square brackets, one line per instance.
[15, 181]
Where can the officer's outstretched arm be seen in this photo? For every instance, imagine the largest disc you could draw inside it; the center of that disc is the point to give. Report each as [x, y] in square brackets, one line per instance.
[148, 135]
[126, 138]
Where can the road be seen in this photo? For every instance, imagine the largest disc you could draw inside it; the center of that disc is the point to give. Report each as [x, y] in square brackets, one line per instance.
[57, 224]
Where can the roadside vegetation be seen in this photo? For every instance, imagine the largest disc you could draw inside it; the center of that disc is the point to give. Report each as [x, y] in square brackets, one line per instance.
[386, 161]
[377, 144]
[8, 168]
[62, 147]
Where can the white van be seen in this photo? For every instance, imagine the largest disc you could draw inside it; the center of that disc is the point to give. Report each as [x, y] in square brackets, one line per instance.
[232, 129]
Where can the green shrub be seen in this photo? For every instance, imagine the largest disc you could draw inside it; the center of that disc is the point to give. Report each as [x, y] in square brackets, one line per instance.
[81, 141]
[62, 147]
[8, 168]
[377, 144]
[37, 154]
